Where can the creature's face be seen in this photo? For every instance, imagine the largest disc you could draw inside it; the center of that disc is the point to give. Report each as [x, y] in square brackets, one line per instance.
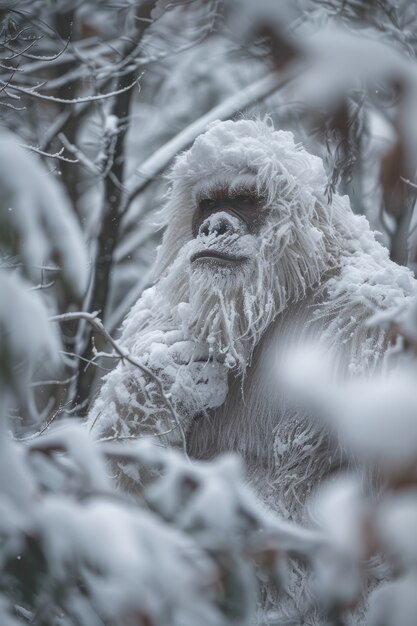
[249, 231]
[226, 224]
[245, 194]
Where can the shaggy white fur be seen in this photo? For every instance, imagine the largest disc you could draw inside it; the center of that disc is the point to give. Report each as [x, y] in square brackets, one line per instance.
[212, 334]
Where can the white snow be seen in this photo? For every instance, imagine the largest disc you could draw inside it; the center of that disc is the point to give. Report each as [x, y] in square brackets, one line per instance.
[26, 335]
[35, 215]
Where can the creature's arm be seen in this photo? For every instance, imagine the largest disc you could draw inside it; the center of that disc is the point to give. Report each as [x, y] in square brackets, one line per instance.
[157, 401]
[160, 398]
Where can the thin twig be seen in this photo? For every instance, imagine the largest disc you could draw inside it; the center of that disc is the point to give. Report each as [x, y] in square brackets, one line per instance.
[92, 318]
[88, 361]
[54, 415]
[57, 155]
[8, 105]
[43, 383]
[17, 53]
[42, 286]
[101, 96]
[408, 182]
[79, 154]
[36, 57]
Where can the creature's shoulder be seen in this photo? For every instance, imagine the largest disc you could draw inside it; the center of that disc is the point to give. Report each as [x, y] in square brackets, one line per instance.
[138, 315]
[366, 277]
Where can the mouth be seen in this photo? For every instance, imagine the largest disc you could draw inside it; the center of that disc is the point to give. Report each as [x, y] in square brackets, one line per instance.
[215, 256]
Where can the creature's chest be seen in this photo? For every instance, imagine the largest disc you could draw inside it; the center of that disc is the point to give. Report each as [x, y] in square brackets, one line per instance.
[220, 430]
[244, 423]
[286, 453]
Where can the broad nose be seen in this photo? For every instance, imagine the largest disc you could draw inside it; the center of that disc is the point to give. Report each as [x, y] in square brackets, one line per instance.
[217, 225]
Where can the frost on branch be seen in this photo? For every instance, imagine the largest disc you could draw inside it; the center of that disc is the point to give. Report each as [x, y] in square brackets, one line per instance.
[37, 225]
[36, 220]
[20, 347]
[97, 560]
[194, 550]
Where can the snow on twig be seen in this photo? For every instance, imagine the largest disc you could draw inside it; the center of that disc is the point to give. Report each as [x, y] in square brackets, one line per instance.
[18, 53]
[408, 182]
[8, 105]
[79, 155]
[41, 286]
[36, 57]
[93, 319]
[57, 155]
[82, 99]
[45, 427]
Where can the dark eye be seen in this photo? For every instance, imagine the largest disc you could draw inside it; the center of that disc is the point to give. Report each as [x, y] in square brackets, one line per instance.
[207, 203]
[244, 200]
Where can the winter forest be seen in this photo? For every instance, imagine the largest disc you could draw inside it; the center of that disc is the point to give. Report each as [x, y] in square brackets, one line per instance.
[208, 313]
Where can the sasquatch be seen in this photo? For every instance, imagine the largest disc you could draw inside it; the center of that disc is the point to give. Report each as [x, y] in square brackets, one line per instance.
[254, 258]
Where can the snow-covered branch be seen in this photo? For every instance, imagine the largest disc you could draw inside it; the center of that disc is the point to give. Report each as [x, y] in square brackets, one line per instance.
[95, 322]
[82, 99]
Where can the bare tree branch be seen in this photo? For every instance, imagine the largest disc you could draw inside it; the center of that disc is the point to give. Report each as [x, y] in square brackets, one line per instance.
[101, 96]
[57, 155]
[113, 204]
[95, 322]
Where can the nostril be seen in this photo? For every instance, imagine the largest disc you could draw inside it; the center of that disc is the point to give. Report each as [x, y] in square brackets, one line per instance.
[204, 229]
[222, 227]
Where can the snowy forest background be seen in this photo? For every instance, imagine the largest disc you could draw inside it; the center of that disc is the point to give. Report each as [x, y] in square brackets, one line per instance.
[96, 99]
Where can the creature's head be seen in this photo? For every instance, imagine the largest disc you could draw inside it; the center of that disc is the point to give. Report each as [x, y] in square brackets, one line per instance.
[248, 231]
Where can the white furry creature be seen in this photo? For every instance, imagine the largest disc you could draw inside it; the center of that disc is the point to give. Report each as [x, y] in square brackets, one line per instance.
[254, 261]
[253, 258]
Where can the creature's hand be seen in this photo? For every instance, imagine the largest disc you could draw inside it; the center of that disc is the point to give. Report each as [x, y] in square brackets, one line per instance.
[210, 379]
[208, 376]
[190, 373]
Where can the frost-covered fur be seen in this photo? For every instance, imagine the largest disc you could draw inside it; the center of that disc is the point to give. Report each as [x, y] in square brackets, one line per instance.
[213, 334]
[316, 269]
